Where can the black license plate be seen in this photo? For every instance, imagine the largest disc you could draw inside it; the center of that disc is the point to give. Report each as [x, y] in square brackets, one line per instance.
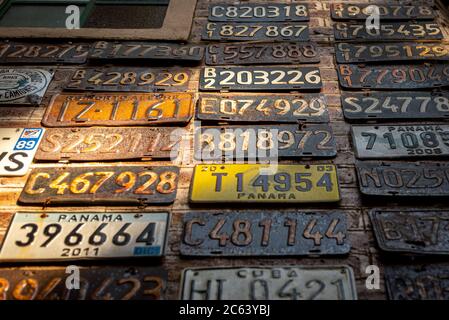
[38, 53]
[388, 52]
[403, 179]
[411, 231]
[401, 141]
[264, 234]
[260, 78]
[261, 53]
[407, 105]
[417, 282]
[387, 31]
[104, 50]
[264, 142]
[266, 31]
[96, 283]
[258, 12]
[263, 108]
[130, 79]
[89, 185]
[403, 77]
[363, 11]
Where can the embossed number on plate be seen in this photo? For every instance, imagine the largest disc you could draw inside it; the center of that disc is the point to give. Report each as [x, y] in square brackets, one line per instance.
[108, 143]
[67, 236]
[401, 141]
[362, 11]
[398, 77]
[291, 108]
[407, 231]
[260, 78]
[409, 105]
[269, 283]
[132, 79]
[264, 233]
[96, 283]
[264, 183]
[118, 109]
[264, 142]
[88, 185]
[258, 12]
[424, 179]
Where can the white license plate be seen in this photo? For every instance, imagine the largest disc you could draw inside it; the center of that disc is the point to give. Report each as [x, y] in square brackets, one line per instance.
[269, 283]
[68, 236]
[17, 149]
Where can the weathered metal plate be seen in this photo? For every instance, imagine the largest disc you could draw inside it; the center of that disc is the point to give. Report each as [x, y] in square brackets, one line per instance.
[362, 11]
[403, 77]
[264, 142]
[401, 141]
[403, 179]
[417, 282]
[105, 50]
[23, 86]
[407, 231]
[269, 283]
[388, 52]
[66, 236]
[109, 143]
[264, 233]
[134, 79]
[91, 185]
[410, 105]
[17, 149]
[264, 183]
[263, 108]
[118, 109]
[351, 31]
[261, 53]
[96, 283]
[258, 12]
[12, 52]
[260, 31]
[260, 78]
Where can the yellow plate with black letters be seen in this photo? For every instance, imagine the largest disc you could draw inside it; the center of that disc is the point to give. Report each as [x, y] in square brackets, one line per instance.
[264, 183]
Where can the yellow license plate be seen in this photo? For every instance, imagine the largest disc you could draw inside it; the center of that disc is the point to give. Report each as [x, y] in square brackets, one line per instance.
[264, 183]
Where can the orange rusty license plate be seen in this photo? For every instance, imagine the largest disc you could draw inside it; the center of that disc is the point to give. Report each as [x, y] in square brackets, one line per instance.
[118, 109]
[109, 143]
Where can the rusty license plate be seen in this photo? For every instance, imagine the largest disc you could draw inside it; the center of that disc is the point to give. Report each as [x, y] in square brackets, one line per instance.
[264, 183]
[252, 31]
[397, 77]
[264, 142]
[417, 282]
[401, 141]
[131, 50]
[350, 31]
[12, 52]
[23, 86]
[260, 78]
[118, 109]
[363, 11]
[264, 233]
[134, 79]
[258, 12]
[90, 185]
[108, 143]
[409, 105]
[291, 108]
[96, 283]
[411, 231]
[388, 52]
[403, 179]
[269, 283]
[33, 236]
[261, 53]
